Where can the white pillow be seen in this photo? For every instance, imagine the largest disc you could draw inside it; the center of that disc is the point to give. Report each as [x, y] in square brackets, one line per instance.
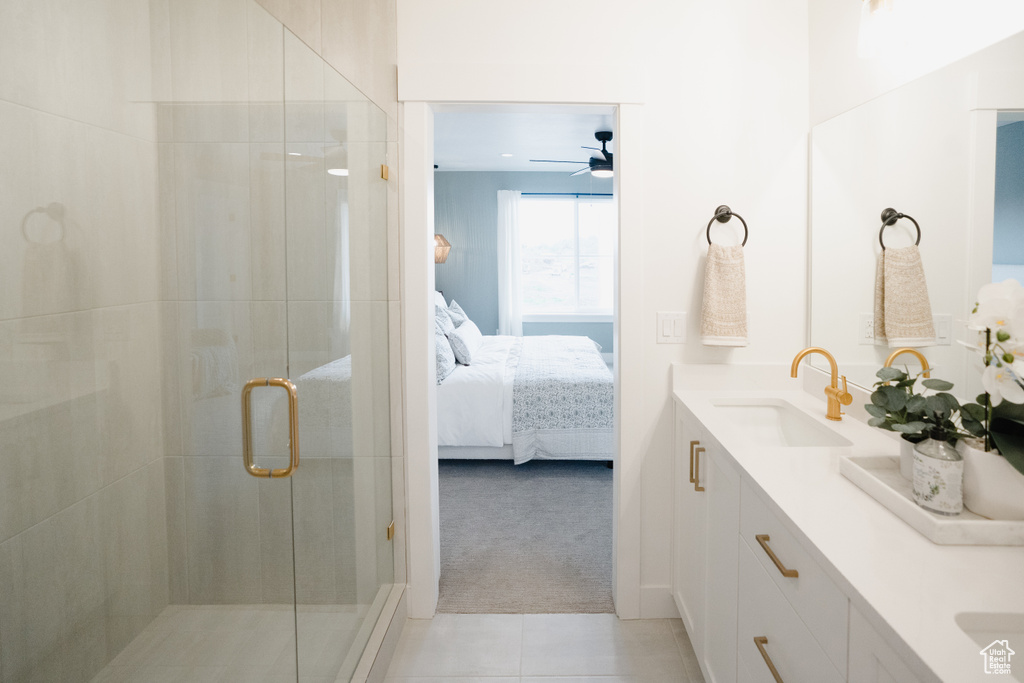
[456, 313]
[445, 356]
[443, 320]
[439, 299]
[465, 341]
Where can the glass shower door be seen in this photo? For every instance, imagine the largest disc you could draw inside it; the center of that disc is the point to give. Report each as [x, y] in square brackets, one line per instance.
[278, 193]
[336, 309]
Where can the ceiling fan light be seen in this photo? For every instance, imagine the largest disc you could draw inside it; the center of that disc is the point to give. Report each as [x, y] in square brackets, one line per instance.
[602, 173]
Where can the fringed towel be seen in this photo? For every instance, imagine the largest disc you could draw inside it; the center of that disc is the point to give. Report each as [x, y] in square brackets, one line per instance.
[723, 320]
[903, 314]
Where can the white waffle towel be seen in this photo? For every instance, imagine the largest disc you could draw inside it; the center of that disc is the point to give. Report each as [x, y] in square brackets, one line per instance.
[723, 320]
[903, 313]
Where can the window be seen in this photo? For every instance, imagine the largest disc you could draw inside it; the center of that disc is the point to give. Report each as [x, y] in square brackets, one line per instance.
[567, 247]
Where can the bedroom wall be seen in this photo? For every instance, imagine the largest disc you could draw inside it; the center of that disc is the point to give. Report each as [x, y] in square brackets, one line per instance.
[1008, 240]
[466, 213]
[931, 34]
[720, 115]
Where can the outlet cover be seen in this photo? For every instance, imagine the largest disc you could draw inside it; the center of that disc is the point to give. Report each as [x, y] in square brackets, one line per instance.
[866, 329]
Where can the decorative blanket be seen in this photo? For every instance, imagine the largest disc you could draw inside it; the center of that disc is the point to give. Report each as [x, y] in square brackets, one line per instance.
[562, 400]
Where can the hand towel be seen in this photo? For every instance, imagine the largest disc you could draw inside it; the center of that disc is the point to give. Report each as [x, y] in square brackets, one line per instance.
[903, 314]
[723, 319]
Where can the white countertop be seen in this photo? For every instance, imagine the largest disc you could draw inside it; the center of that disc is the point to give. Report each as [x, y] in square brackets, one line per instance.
[904, 584]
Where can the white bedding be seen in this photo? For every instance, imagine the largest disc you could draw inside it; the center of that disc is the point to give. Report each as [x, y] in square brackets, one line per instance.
[562, 410]
[474, 403]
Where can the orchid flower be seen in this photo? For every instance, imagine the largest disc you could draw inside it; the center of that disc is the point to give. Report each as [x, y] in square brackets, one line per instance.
[1001, 309]
[1000, 381]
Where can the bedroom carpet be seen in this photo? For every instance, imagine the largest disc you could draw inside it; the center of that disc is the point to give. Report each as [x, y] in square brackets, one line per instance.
[534, 538]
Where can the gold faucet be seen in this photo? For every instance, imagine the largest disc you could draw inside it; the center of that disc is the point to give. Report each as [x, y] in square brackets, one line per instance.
[926, 369]
[833, 393]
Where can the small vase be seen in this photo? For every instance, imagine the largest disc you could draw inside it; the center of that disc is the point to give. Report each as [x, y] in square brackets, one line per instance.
[993, 487]
[938, 476]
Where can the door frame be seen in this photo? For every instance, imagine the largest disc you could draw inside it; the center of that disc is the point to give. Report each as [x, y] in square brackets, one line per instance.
[419, 375]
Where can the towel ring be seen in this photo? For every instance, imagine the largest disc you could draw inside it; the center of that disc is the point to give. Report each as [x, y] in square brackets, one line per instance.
[889, 217]
[722, 214]
[55, 211]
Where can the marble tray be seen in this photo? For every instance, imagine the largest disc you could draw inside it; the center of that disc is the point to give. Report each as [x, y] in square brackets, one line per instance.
[879, 477]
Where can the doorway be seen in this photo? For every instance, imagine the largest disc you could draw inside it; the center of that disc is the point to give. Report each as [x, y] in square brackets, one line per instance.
[566, 253]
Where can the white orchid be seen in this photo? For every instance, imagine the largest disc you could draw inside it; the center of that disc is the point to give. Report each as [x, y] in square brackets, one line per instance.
[999, 319]
[1000, 382]
[1000, 309]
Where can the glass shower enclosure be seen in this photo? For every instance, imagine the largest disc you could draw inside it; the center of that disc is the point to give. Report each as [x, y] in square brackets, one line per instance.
[193, 203]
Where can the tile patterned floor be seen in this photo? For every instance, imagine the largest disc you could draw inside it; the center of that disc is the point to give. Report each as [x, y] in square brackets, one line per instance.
[239, 643]
[543, 648]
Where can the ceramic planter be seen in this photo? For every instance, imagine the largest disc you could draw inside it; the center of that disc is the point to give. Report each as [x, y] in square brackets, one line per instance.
[993, 488]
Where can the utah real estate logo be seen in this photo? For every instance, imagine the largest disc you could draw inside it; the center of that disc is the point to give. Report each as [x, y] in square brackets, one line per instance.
[997, 657]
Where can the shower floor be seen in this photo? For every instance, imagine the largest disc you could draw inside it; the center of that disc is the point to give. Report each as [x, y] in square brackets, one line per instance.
[236, 643]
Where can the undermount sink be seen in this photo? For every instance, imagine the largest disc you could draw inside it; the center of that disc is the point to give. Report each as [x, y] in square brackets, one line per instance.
[990, 629]
[775, 422]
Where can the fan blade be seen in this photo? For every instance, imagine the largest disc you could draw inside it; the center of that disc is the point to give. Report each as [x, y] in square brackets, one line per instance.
[557, 161]
[580, 172]
[598, 154]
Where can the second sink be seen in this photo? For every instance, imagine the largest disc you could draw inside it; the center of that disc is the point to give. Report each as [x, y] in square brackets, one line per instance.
[774, 422]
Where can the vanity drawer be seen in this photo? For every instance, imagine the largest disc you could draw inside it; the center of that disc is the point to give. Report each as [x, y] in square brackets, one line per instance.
[766, 615]
[812, 593]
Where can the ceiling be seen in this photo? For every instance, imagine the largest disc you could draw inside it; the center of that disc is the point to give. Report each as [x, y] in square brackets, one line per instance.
[473, 137]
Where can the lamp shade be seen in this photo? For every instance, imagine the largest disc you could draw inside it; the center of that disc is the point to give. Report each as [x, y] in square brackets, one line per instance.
[441, 248]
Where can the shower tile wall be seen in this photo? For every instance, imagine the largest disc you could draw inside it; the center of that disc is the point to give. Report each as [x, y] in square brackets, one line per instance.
[83, 551]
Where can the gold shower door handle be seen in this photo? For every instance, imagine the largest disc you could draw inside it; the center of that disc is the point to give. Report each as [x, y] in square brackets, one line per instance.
[293, 427]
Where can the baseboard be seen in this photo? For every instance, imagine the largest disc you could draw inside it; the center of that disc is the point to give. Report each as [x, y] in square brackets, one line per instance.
[656, 602]
[373, 665]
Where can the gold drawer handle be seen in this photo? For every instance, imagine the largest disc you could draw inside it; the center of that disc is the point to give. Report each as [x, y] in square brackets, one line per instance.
[696, 468]
[788, 573]
[293, 428]
[761, 641]
[692, 444]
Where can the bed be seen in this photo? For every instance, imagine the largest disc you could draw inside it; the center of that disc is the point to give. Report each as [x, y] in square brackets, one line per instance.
[525, 398]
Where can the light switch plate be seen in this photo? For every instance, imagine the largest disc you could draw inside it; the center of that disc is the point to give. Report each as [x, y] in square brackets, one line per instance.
[943, 329]
[671, 327]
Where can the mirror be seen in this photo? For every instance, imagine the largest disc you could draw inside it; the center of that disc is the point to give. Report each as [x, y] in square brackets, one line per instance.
[927, 150]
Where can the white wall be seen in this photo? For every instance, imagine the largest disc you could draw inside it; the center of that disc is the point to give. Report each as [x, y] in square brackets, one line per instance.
[719, 114]
[929, 35]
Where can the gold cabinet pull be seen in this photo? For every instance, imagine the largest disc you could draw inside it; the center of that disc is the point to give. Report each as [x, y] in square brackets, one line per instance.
[788, 573]
[761, 641]
[293, 428]
[692, 444]
[696, 468]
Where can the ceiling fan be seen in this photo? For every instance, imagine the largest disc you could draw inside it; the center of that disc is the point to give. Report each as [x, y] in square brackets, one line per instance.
[600, 164]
